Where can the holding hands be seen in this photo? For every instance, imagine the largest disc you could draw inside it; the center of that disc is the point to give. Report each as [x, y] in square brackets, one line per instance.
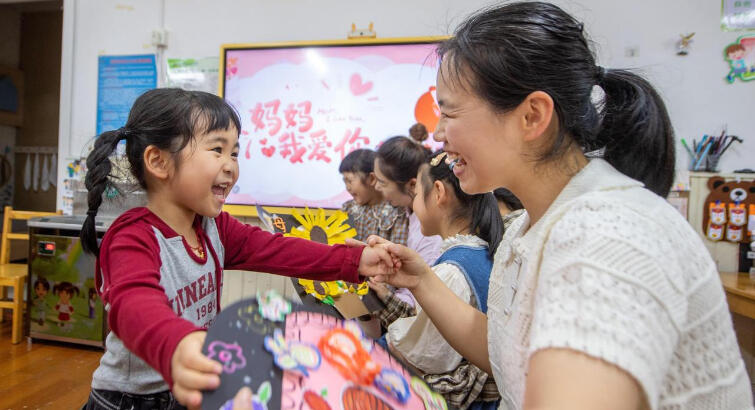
[408, 269]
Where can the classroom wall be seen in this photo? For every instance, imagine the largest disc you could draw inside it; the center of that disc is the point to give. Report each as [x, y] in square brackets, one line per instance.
[641, 34]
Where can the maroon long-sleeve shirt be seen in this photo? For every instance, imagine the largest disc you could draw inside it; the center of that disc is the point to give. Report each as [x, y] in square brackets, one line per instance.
[156, 290]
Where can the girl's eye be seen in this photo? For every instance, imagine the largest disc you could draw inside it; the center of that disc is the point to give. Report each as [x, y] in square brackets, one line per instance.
[219, 150]
[235, 154]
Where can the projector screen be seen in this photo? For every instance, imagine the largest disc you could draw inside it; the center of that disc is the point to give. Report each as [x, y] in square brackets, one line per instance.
[304, 107]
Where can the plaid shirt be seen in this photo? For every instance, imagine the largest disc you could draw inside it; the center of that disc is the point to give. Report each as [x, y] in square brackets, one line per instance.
[461, 386]
[382, 219]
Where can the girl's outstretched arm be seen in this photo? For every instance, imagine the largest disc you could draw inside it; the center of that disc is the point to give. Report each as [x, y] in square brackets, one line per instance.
[464, 327]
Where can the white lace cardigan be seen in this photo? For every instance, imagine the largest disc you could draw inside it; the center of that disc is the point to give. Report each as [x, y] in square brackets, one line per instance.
[613, 271]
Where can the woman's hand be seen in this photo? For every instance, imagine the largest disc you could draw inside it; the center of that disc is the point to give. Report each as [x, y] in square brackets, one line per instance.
[192, 371]
[409, 268]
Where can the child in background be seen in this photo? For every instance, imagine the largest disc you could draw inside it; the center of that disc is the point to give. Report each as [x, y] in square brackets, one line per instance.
[398, 160]
[159, 268]
[369, 213]
[396, 165]
[471, 228]
[509, 205]
[418, 133]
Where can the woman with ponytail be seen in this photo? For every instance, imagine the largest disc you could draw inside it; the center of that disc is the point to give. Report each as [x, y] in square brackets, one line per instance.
[601, 295]
[471, 227]
[160, 267]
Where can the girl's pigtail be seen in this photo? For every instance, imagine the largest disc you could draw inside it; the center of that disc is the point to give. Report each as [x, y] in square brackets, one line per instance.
[97, 181]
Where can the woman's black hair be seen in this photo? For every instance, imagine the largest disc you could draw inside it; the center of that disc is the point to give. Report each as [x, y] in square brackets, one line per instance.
[506, 52]
[481, 210]
[358, 161]
[508, 198]
[168, 118]
[400, 159]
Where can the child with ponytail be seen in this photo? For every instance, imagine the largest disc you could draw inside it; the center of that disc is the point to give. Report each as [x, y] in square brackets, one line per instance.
[471, 227]
[160, 267]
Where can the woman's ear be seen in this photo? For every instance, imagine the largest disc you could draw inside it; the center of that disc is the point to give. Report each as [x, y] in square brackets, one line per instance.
[536, 113]
[157, 163]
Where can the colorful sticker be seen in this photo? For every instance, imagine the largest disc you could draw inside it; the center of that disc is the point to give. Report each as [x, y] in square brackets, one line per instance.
[249, 317]
[734, 233]
[355, 398]
[717, 213]
[229, 354]
[715, 232]
[259, 400]
[741, 58]
[353, 327]
[737, 214]
[273, 306]
[315, 401]
[432, 400]
[293, 355]
[344, 351]
[393, 384]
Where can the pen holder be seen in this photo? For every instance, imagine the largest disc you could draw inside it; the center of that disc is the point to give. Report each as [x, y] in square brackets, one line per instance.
[695, 165]
[711, 163]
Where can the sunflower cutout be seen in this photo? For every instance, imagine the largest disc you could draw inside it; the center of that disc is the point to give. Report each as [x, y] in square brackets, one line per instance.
[329, 230]
[319, 228]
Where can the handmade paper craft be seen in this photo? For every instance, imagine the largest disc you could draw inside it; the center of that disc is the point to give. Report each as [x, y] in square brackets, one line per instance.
[294, 355]
[229, 354]
[273, 306]
[310, 360]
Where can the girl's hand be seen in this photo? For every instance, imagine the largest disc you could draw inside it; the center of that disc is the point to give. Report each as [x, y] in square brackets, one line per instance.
[192, 371]
[375, 261]
[380, 289]
[409, 267]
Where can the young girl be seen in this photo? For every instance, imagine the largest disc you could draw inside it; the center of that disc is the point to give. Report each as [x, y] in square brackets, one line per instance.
[471, 228]
[601, 295]
[396, 165]
[398, 160]
[159, 269]
[369, 213]
[65, 291]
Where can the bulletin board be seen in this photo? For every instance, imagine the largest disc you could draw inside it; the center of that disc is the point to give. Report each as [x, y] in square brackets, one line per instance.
[306, 105]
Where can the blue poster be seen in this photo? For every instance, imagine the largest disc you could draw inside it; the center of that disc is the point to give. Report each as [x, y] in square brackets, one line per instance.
[121, 79]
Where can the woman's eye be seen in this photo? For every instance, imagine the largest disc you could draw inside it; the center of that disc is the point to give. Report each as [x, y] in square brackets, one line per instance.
[219, 150]
[235, 154]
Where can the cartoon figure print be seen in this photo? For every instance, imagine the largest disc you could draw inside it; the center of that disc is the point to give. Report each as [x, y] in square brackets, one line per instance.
[92, 301]
[738, 54]
[65, 291]
[41, 288]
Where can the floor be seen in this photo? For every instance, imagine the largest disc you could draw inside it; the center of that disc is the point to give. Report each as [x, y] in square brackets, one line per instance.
[44, 375]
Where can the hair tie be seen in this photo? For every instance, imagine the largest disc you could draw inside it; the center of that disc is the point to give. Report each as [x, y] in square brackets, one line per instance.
[92, 212]
[123, 133]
